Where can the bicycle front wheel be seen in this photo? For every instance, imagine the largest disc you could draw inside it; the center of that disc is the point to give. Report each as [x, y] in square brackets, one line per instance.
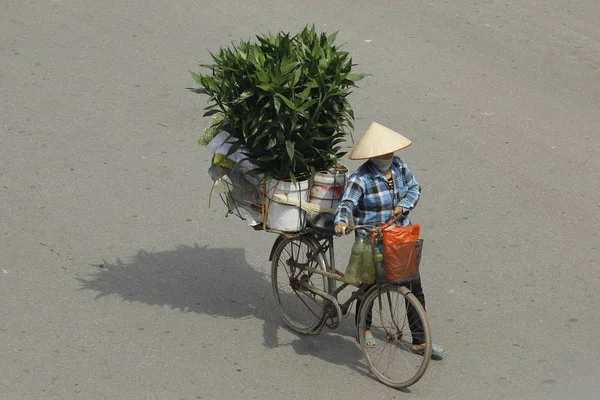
[397, 321]
[302, 310]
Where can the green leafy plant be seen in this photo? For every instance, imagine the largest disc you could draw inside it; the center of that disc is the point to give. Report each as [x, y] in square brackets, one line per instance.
[283, 99]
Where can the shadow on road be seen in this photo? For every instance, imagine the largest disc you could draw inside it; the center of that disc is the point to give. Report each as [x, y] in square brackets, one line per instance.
[217, 282]
[220, 283]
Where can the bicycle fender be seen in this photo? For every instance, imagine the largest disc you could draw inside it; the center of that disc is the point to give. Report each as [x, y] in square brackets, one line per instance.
[277, 241]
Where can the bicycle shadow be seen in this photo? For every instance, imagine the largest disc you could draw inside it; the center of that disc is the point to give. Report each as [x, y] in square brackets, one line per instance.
[218, 282]
[213, 281]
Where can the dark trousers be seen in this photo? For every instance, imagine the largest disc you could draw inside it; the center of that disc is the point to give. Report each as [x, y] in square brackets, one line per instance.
[414, 322]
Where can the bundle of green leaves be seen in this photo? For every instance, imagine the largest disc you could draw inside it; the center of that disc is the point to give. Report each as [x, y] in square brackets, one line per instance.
[283, 100]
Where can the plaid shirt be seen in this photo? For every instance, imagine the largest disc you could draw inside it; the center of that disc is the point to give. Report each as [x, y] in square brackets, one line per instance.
[369, 199]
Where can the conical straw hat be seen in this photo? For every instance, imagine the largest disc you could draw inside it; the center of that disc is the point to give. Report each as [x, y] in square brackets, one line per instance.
[376, 141]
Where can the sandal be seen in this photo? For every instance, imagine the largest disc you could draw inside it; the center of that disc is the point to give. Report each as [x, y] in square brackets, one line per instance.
[435, 350]
[370, 340]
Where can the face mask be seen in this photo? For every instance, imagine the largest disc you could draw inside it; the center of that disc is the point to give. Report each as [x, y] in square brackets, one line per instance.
[381, 164]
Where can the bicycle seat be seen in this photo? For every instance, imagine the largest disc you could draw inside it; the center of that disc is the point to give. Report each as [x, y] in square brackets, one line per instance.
[323, 223]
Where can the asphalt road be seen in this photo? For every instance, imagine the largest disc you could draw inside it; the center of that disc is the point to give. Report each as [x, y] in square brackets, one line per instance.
[118, 282]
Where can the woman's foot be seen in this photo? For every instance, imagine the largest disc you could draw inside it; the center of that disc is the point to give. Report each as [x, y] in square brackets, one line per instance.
[435, 349]
[369, 340]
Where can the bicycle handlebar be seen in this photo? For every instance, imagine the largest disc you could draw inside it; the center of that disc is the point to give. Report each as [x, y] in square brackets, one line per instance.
[368, 228]
[373, 228]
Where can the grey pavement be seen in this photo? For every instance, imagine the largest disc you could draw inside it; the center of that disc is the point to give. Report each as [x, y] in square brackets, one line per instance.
[117, 281]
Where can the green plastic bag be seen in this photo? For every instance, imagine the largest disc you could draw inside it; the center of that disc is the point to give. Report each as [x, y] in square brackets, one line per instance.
[353, 270]
[367, 270]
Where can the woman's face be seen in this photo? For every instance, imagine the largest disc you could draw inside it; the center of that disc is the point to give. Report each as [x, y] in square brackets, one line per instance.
[383, 162]
[385, 156]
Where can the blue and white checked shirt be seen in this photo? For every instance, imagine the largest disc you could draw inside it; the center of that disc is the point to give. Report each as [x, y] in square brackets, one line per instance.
[369, 199]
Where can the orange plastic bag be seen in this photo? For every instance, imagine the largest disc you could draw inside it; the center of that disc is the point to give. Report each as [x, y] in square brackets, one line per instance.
[401, 252]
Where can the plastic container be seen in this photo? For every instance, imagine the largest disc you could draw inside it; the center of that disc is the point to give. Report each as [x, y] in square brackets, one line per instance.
[284, 217]
[328, 187]
[377, 260]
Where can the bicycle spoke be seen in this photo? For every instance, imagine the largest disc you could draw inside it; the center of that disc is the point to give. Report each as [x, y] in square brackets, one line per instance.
[307, 306]
[301, 309]
[392, 360]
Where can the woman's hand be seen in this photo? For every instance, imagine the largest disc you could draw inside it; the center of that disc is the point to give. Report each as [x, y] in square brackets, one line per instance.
[340, 229]
[397, 212]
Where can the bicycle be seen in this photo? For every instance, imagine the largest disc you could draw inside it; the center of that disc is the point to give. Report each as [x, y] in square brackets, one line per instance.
[306, 295]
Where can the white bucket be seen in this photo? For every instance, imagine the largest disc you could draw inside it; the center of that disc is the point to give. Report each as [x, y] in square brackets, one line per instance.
[281, 217]
[328, 187]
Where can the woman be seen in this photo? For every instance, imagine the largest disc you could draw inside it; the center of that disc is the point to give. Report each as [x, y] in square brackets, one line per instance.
[381, 189]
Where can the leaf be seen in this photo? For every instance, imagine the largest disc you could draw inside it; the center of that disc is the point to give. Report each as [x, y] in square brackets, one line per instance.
[196, 76]
[331, 38]
[356, 77]
[323, 63]
[211, 112]
[297, 75]
[211, 107]
[306, 105]
[270, 157]
[271, 144]
[306, 93]
[198, 90]
[262, 75]
[289, 146]
[337, 141]
[288, 67]
[245, 95]
[277, 103]
[266, 87]
[320, 138]
[286, 101]
[311, 84]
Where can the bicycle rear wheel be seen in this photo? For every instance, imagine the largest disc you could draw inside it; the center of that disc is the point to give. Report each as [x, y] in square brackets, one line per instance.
[302, 310]
[385, 312]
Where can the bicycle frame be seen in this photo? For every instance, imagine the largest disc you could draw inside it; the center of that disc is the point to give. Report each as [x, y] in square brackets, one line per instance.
[324, 245]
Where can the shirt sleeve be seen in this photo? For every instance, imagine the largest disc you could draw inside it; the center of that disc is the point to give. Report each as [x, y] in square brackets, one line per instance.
[414, 190]
[354, 191]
